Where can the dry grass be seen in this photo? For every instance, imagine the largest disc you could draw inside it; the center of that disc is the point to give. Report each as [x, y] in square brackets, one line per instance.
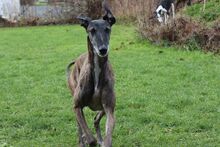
[190, 34]
[133, 8]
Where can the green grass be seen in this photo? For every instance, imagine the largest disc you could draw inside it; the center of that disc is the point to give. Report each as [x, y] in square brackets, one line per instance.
[165, 97]
[211, 13]
[38, 3]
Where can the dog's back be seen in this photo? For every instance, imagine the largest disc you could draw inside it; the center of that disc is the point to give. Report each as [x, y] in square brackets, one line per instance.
[166, 4]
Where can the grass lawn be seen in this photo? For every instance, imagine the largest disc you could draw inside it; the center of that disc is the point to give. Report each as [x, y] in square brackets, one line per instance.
[165, 96]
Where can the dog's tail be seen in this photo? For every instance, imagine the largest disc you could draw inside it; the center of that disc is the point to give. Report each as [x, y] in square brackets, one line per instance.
[68, 68]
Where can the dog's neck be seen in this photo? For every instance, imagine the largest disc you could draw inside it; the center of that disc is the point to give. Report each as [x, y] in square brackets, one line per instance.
[98, 65]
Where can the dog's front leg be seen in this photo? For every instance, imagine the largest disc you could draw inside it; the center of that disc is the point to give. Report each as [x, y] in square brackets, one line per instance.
[110, 122]
[173, 10]
[82, 123]
[81, 139]
[97, 119]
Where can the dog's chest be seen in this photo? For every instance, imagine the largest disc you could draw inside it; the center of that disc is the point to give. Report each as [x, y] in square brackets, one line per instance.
[96, 97]
[96, 71]
[96, 102]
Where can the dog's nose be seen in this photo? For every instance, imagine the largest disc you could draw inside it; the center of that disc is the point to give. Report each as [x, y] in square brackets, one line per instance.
[103, 51]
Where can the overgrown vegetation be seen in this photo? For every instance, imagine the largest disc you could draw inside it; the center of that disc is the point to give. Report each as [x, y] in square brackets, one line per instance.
[190, 33]
[211, 12]
[165, 97]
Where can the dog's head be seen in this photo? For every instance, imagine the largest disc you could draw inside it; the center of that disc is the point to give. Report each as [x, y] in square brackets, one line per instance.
[160, 12]
[99, 31]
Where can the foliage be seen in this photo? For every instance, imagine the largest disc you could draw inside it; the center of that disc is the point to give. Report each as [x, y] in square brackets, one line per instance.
[165, 97]
[192, 44]
[211, 13]
[190, 33]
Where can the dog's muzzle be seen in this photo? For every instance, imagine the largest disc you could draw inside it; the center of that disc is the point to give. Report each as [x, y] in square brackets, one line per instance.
[103, 51]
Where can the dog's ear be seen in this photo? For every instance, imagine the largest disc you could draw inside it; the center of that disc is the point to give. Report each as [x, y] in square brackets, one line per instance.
[84, 21]
[108, 14]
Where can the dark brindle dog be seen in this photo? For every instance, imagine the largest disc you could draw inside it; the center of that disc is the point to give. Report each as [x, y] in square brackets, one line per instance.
[92, 81]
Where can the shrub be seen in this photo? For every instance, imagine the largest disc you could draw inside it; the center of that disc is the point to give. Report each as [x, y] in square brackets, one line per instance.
[211, 16]
[190, 34]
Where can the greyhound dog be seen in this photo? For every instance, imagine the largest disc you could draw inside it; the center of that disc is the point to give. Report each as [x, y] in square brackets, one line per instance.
[163, 9]
[92, 81]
